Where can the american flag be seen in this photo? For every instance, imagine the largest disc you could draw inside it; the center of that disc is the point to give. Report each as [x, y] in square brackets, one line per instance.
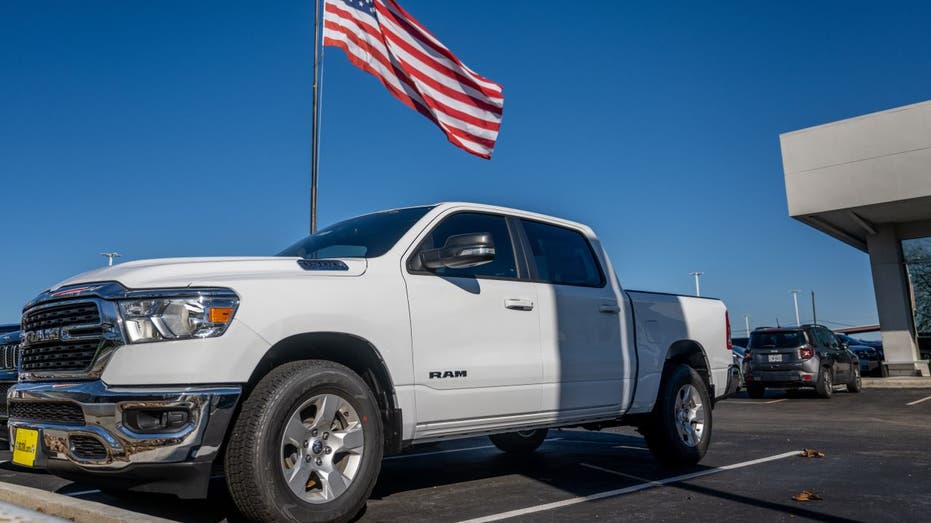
[382, 39]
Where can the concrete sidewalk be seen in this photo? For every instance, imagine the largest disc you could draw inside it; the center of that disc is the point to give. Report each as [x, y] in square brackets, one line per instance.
[898, 382]
[17, 514]
[19, 503]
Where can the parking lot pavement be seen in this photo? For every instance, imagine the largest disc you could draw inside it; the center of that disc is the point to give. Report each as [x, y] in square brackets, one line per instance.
[876, 468]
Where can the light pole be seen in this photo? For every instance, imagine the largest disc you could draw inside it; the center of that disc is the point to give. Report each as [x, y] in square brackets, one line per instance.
[697, 276]
[747, 321]
[798, 321]
[110, 256]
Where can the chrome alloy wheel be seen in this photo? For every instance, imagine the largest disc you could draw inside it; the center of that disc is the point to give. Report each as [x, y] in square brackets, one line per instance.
[690, 415]
[321, 448]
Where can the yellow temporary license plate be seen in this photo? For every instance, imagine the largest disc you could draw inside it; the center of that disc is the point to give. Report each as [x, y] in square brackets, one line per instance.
[24, 448]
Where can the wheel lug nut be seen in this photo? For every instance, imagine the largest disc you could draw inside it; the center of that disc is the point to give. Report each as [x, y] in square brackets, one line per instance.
[326, 435]
[306, 444]
[319, 462]
[307, 459]
[328, 450]
[313, 433]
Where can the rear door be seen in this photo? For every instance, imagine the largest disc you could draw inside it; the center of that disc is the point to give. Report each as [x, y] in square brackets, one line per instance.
[583, 363]
[476, 333]
[842, 361]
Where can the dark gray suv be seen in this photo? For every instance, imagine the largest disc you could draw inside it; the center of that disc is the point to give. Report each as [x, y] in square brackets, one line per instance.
[798, 357]
[9, 356]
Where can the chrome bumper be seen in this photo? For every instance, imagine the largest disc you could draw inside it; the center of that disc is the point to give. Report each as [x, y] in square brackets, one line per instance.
[211, 409]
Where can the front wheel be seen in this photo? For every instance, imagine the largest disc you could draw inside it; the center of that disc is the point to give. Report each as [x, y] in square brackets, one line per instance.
[825, 384]
[856, 384]
[522, 443]
[307, 445]
[679, 429]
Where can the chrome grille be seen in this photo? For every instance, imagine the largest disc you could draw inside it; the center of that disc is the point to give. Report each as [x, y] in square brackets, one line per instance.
[61, 337]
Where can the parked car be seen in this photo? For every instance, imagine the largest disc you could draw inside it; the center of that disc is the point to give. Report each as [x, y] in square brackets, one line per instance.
[924, 346]
[870, 361]
[740, 342]
[8, 328]
[300, 371]
[809, 356]
[9, 349]
[739, 363]
[856, 342]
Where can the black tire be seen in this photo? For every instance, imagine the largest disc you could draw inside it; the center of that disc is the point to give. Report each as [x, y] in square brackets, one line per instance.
[755, 390]
[660, 431]
[825, 384]
[254, 454]
[520, 443]
[856, 384]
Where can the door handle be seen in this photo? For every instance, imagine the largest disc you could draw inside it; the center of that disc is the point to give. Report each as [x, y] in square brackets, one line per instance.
[609, 308]
[519, 304]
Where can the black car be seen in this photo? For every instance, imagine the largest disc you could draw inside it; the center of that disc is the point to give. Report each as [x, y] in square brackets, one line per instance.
[799, 357]
[9, 354]
[8, 328]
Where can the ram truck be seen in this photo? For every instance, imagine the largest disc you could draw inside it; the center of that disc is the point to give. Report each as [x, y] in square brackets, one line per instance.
[293, 375]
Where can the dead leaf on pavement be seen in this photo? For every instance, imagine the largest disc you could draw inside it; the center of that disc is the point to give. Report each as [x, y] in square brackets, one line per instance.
[807, 495]
[811, 453]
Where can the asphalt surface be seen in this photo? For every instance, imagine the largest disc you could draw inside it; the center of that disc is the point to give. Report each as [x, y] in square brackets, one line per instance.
[877, 467]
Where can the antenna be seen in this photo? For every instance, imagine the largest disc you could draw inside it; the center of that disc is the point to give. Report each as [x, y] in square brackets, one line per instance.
[110, 256]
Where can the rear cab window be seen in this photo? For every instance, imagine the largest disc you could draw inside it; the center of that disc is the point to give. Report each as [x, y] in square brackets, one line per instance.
[562, 256]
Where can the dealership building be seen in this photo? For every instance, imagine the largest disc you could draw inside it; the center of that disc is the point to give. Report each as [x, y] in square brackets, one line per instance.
[867, 182]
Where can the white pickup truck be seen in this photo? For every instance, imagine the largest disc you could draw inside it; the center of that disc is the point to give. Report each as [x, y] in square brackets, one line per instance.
[294, 375]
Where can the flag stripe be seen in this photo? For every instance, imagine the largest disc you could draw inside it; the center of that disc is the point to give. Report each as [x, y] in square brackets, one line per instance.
[373, 51]
[434, 42]
[380, 38]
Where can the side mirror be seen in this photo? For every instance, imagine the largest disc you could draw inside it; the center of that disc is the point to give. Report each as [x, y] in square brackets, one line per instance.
[461, 252]
[844, 345]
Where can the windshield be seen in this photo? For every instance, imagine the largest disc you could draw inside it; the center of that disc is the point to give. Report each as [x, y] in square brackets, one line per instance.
[777, 340]
[366, 236]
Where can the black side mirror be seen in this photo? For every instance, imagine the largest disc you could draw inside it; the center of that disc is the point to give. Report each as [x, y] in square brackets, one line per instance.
[461, 252]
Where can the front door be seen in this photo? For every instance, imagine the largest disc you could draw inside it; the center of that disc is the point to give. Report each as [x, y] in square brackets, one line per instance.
[476, 334]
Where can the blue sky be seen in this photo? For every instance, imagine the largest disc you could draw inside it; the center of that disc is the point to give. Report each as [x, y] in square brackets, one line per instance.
[178, 128]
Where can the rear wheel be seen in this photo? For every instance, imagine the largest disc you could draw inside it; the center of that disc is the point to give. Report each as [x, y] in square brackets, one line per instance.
[755, 391]
[825, 385]
[523, 442]
[856, 384]
[307, 445]
[679, 429]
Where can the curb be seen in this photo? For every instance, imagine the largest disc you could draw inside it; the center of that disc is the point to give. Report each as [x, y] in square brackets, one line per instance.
[897, 383]
[65, 507]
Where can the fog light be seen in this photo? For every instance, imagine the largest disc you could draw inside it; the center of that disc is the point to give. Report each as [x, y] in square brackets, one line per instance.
[156, 421]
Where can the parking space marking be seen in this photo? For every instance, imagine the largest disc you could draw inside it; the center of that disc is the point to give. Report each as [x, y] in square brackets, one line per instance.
[450, 451]
[81, 493]
[746, 402]
[916, 402]
[626, 490]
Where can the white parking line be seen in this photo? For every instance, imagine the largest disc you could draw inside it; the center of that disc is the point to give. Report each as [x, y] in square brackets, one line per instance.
[770, 402]
[626, 490]
[450, 451]
[916, 402]
[81, 493]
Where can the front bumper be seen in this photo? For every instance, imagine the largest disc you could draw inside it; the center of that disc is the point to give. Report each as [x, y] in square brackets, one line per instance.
[94, 441]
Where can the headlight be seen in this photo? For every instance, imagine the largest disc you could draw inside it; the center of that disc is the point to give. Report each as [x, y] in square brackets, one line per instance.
[171, 315]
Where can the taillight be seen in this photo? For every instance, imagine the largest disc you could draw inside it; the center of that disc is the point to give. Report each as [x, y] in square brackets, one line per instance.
[727, 320]
[806, 353]
[747, 354]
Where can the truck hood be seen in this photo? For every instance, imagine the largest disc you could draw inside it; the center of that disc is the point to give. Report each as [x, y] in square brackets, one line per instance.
[183, 272]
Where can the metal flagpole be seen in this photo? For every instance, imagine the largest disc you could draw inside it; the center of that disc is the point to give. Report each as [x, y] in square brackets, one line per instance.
[315, 131]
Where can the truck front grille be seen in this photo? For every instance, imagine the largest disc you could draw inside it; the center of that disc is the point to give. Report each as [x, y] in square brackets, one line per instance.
[54, 412]
[62, 337]
[83, 313]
